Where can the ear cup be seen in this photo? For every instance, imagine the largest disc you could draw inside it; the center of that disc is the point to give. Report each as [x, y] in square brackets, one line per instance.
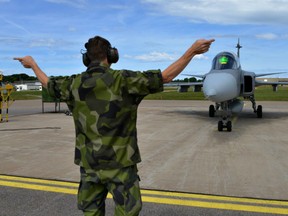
[85, 59]
[112, 55]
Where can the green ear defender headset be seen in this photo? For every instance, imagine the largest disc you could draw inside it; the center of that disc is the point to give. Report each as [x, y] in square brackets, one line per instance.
[112, 55]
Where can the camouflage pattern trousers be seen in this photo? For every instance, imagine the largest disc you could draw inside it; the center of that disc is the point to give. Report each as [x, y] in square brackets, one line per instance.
[122, 183]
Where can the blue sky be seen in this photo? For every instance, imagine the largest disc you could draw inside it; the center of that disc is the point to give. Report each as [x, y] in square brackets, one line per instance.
[149, 34]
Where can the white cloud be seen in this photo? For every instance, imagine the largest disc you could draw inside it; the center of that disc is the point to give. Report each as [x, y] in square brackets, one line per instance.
[43, 42]
[73, 3]
[10, 39]
[153, 57]
[161, 57]
[226, 11]
[201, 56]
[271, 36]
[54, 43]
[267, 36]
[72, 29]
[13, 24]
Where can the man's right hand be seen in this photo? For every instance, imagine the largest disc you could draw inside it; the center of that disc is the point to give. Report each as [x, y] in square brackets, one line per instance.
[201, 46]
[27, 61]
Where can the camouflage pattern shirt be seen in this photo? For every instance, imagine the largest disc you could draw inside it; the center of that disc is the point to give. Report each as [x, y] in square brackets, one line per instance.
[104, 105]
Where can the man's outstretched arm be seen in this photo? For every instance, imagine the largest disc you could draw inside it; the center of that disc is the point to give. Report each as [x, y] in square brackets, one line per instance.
[29, 62]
[199, 47]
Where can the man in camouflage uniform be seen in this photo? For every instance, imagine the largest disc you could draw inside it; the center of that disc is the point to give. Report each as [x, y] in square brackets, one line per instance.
[104, 106]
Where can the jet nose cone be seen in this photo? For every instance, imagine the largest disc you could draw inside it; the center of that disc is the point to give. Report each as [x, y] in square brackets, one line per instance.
[219, 87]
[210, 93]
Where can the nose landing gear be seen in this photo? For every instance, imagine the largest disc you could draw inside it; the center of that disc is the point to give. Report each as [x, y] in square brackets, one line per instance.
[225, 114]
[225, 124]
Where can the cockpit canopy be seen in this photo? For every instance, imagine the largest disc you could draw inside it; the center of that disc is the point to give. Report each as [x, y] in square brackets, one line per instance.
[225, 60]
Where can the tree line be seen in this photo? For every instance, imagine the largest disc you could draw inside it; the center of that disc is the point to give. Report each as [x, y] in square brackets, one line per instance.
[16, 78]
[191, 79]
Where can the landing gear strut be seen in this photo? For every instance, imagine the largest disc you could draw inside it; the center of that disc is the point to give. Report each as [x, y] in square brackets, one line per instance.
[258, 111]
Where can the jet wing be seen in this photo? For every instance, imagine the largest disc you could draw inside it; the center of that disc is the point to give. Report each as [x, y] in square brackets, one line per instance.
[183, 86]
[200, 84]
[259, 83]
[199, 76]
[267, 74]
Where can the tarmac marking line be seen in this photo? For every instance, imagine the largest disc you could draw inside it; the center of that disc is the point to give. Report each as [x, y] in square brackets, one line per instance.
[42, 181]
[215, 197]
[23, 129]
[38, 187]
[214, 205]
[153, 192]
[12, 182]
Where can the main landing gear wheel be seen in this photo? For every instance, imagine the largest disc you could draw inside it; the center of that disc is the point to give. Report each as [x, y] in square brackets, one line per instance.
[220, 125]
[228, 125]
[211, 111]
[259, 111]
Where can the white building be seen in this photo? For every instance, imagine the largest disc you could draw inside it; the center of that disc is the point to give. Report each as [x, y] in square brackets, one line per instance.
[29, 86]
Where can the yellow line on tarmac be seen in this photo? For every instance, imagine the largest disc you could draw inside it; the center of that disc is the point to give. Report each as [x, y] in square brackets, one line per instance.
[216, 205]
[214, 197]
[153, 192]
[39, 187]
[169, 198]
[42, 181]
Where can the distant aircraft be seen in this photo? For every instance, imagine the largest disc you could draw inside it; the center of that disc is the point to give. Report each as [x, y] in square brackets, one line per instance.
[225, 83]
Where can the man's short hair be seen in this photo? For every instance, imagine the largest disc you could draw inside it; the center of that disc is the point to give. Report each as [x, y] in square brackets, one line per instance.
[97, 48]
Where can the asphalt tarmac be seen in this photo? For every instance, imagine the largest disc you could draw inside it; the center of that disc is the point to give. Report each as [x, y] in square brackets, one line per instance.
[182, 151]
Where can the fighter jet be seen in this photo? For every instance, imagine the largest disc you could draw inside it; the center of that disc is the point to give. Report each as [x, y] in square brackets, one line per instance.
[225, 83]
